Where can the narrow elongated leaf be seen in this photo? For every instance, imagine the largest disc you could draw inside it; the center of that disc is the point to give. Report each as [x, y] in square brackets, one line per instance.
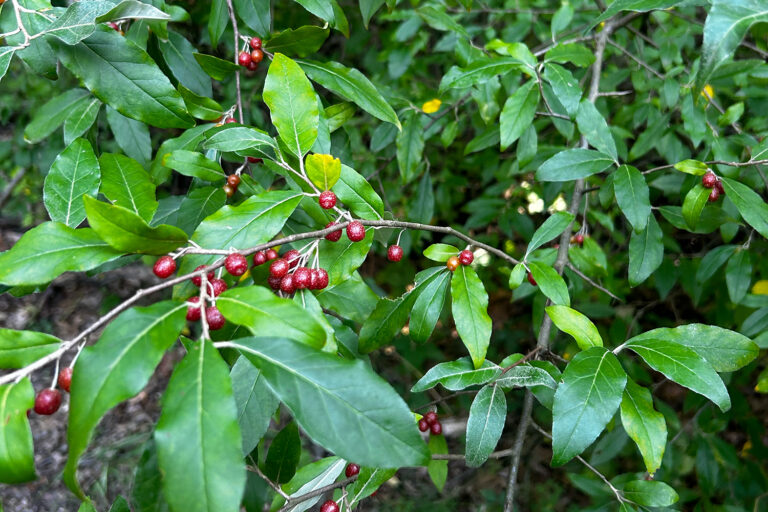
[634, 5]
[438, 469]
[684, 366]
[693, 204]
[178, 54]
[127, 184]
[283, 455]
[50, 249]
[216, 68]
[478, 72]
[644, 424]
[693, 167]
[550, 283]
[485, 424]
[310, 478]
[192, 163]
[646, 252]
[198, 438]
[358, 195]
[239, 138]
[749, 203]
[321, 390]
[81, 118]
[74, 173]
[650, 493]
[518, 113]
[20, 348]
[132, 136]
[255, 402]
[17, 455]
[470, 312]
[217, 20]
[738, 275]
[256, 14]
[573, 164]
[526, 376]
[576, 54]
[593, 126]
[438, 19]
[565, 87]
[713, 260]
[457, 375]
[116, 368]
[552, 227]
[51, 114]
[344, 257]
[301, 42]
[368, 482]
[427, 307]
[632, 195]
[593, 383]
[147, 493]
[410, 147]
[440, 252]
[577, 325]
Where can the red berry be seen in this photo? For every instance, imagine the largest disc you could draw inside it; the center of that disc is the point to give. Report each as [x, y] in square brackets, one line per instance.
[423, 425]
[430, 417]
[322, 279]
[229, 190]
[214, 318]
[193, 310]
[255, 42]
[709, 179]
[252, 66]
[254, 160]
[47, 401]
[292, 257]
[271, 254]
[452, 263]
[236, 264]
[333, 236]
[278, 268]
[243, 58]
[394, 253]
[531, 279]
[164, 267]
[719, 187]
[230, 120]
[259, 258]
[355, 231]
[327, 200]
[436, 428]
[65, 378]
[314, 275]
[302, 277]
[257, 55]
[329, 506]
[218, 286]
[466, 257]
[714, 195]
[352, 470]
[287, 285]
[579, 238]
[29, 413]
[197, 280]
[233, 180]
[274, 282]
[113, 25]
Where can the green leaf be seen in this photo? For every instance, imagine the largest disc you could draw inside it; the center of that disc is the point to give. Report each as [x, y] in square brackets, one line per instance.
[239, 138]
[127, 184]
[116, 368]
[585, 401]
[192, 163]
[528, 376]
[632, 195]
[439, 20]
[217, 20]
[682, 365]
[440, 252]
[197, 436]
[133, 9]
[50, 249]
[358, 195]
[738, 275]
[255, 402]
[310, 478]
[323, 170]
[518, 113]
[592, 125]
[633, 5]
[178, 54]
[20, 348]
[749, 203]
[517, 275]
[573, 164]
[368, 482]
[352, 85]
[552, 227]
[200, 107]
[693, 167]
[478, 72]
[457, 375]
[713, 260]
[344, 257]
[565, 87]
[352, 298]
[283, 455]
[485, 424]
[550, 283]
[17, 454]
[438, 469]
[81, 118]
[646, 252]
[51, 114]
[132, 136]
[265, 314]
[577, 325]
[693, 204]
[470, 312]
[650, 493]
[576, 54]
[410, 147]
[147, 492]
[427, 307]
[127, 232]
[6, 54]
[341, 405]
[216, 68]
[124, 76]
[256, 15]
[517, 50]
[74, 173]
[292, 104]
[644, 424]
[423, 208]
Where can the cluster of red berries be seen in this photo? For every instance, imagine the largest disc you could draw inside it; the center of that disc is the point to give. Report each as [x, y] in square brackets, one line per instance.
[233, 181]
[465, 257]
[48, 400]
[286, 275]
[431, 423]
[355, 232]
[250, 60]
[709, 180]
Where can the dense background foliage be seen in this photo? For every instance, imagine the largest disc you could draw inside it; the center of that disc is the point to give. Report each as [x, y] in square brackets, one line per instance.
[567, 142]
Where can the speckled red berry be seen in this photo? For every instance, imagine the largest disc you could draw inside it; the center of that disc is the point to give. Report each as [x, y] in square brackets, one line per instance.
[720, 188]
[329, 506]
[214, 318]
[436, 428]
[466, 257]
[164, 267]
[452, 263]
[254, 160]
[278, 268]
[709, 179]
[230, 120]
[243, 58]
[252, 66]
[333, 236]
[65, 378]
[271, 254]
[217, 286]
[302, 278]
[355, 231]
[327, 200]
[193, 308]
[259, 258]
[423, 425]
[197, 280]
[255, 42]
[579, 238]
[322, 279]
[257, 55]
[714, 195]
[47, 401]
[274, 282]
[352, 470]
[287, 285]
[236, 264]
[430, 417]
[292, 257]
[233, 180]
[531, 279]
[394, 253]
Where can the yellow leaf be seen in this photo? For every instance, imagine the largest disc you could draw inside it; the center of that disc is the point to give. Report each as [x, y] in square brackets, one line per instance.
[708, 92]
[760, 288]
[431, 106]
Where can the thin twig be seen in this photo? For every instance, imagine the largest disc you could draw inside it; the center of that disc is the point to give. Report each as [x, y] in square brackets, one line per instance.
[232, 18]
[14, 181]
[457, 456]
[590, 281]
[273, 485]
[295, 500]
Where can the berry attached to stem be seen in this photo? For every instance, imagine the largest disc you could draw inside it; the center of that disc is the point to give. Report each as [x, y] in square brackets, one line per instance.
[714, 195]
[257, 55]
[218, 286]
[352, 470]
[197, 280]
[287, 285]
[214, 318]
[436, 428]
[229, 190]
[233, 180]
[327, 200]
[708, 180]
[65, 378]
[466, 257]
[292, 257]
[271, 254]
[259, 258]
[164, 266]
[322, 279]
[394, 253]
[47, 401]
[452, 263]
[423, 425]
[255, 43]
[333, 236]
[278, 268]
[236, 264]
[302, 278]
[194, 311]
[329, 506]
[355, 231]
[430, 418]
[244, 58]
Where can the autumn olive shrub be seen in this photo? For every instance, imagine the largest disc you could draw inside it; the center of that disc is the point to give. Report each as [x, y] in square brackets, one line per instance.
[598, 169]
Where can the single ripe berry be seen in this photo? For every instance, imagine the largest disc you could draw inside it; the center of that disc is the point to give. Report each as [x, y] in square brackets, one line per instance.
[423, 425]
[197, 280]
[436, 428]
[257, 55]
[714, 195]
[218, 286]
[394, 253]
[236, 264]
[194, 310]
[274, 282]
[65, 378]
[531, 279]
[452, 263]
[271, 254]
[287, 285]
[278, 268]
[252, 66]
[719, 187]
[314, 275]
[327, 200]
[113, 26]
[466, 257]
[254, 160]
[47, 401]
[244, 58]
[292, 257]
[214, 318]
[355, 231]
[579, 238]
[709, 179]
[302, 278]
[233, 180]
[322, 279]
[230, 120]
[430, 417]
[229, 190]
[164, 267]
[259, 258]
[352, 470]
[329, 506]
[255, 43]
[333, 236]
